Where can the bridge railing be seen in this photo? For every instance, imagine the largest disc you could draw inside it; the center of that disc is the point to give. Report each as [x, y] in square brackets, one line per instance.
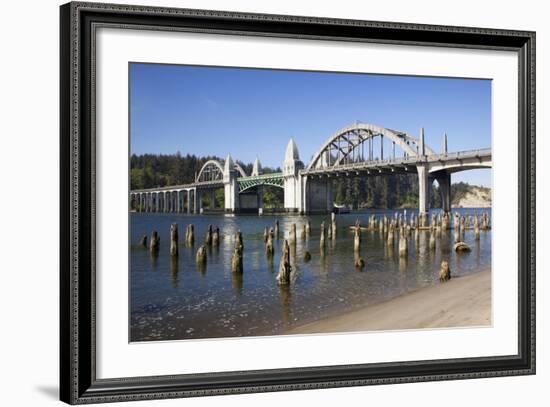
[456, 155]
[261, 177]
[404, 161]
[180, 187]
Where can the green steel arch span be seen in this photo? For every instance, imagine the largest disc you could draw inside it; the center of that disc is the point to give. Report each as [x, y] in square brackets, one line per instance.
[274, 179]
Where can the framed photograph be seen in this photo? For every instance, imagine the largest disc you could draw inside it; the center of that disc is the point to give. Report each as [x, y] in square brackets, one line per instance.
[255, 203]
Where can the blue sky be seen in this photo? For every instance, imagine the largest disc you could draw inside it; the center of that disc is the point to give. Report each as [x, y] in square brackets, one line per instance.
[254, 112]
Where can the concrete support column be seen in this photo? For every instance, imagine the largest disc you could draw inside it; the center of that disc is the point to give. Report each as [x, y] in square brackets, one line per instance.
[304, 199]
[329, 197]
[200, 201]
[212, 196]
[183, 200]
[195, 204]
[444, 181]
[260, 192]
[231, 194]
[189, 200]
[318, 195]
[423, 189]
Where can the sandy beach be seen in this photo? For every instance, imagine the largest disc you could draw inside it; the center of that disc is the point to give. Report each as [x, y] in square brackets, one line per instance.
[462, 301]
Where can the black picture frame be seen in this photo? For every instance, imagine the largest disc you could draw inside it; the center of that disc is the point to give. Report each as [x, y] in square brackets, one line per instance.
[78, 382]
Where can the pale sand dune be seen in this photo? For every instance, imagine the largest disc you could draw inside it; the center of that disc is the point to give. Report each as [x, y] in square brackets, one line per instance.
[463, 301]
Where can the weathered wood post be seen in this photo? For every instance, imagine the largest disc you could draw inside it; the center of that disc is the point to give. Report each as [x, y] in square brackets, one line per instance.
[461, 247]
[283, 278]
[208, 238]
[329, 232]
[456, 220]
[431, 243]
[237, 259]
[444, 272]
[389, 240]
[403, 248]
[190, 235]
[476, 227]
[200, 257]
[143, 241]
[265, 234]
[357, 237]
[333, 224]
[304, 233]
[269, 243]
[277, 229]
[154, 242]
[216, 237]
[293, 233]
[174, 239]
[308, 227]
[239, 239]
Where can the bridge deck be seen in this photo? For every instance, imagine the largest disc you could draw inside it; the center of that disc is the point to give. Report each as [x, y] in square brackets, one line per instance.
[397, 165]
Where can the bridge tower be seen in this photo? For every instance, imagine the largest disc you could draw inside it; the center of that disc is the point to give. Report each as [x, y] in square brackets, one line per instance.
[230, 186]
[444, 180]
[256, 168]
[423, 177]
[292, 179]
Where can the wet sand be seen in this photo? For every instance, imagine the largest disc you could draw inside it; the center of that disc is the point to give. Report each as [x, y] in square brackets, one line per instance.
[462, 301]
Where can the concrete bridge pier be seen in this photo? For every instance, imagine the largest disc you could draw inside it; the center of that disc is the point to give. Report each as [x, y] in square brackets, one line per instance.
[195, 201]
[292, 165]
[212, 198]
[423, 188]
[189, 201]
[319, 194]
[444, 181]
[230, 186]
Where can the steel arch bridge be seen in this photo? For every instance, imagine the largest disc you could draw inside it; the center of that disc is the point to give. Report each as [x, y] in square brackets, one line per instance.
[353, 151]
[348, 145]
[274, 179]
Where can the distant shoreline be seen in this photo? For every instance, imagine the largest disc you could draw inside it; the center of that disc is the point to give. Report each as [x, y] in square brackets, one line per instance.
[461, 302]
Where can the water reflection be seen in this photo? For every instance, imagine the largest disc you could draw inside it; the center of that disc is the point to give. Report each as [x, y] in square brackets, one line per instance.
[285, 299]
[174, 271]
[237, 282]
[200, 298]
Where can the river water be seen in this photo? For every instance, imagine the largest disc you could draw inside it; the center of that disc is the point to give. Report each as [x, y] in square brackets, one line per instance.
[175, 299]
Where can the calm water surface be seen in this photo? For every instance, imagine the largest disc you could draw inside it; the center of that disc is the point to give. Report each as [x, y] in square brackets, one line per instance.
[174, 299]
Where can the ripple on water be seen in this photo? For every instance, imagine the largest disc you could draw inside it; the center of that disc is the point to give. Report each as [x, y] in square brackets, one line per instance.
[176, 300]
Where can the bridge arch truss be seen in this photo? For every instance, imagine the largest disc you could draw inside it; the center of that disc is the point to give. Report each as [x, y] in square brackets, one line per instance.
[355, 143]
